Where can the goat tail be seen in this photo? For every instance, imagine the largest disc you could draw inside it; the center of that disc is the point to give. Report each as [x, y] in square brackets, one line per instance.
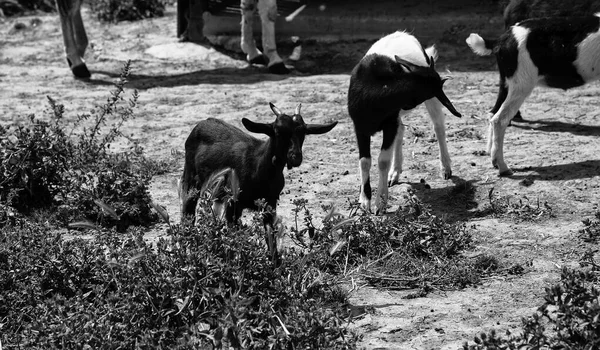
[479, 45]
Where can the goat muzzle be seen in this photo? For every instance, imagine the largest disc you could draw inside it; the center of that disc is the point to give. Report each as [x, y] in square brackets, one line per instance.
[441, 96]
[294, 161]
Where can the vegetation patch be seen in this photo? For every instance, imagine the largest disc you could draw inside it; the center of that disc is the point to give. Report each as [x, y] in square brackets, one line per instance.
[414, 249]
[206, 285]
[18, 7]
[568, 318]
[521, 209]
[591, 230]
[68, 169]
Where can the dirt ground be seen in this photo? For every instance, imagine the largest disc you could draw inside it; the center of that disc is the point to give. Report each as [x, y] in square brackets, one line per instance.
[554, 153]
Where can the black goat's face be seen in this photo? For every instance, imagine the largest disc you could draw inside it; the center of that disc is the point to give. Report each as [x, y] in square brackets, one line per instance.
[432, 84]
[287, 134]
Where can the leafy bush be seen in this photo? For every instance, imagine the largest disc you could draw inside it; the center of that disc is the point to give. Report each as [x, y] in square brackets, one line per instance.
[210, 285]
[68, 166]
[127, 10]
[571, 310]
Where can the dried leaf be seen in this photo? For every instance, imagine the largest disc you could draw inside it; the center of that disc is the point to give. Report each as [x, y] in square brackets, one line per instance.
[109, 210]
[336, 247]
[83, 224]
[135, 258]
[161, 211]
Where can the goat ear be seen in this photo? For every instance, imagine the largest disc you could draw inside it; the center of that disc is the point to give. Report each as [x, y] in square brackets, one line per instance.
[428, 59]
[409, 67]
[316, 129]
[258, 128]
[275, 110]
[297, 111]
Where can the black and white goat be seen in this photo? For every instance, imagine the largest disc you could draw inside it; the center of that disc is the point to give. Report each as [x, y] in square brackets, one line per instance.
[214, 145]
[395, 76]
[520, 10]
[559, 52]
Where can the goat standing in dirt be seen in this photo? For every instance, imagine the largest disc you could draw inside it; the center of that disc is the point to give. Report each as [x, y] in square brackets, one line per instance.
[395, 76]
[214, 145]
[558, 52]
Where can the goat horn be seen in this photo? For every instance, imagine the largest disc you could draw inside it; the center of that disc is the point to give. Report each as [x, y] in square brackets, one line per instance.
[297, 112]
[275, 109]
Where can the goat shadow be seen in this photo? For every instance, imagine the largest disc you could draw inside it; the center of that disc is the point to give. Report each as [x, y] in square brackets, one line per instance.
[238, 76]
[454, 203]
[558, 126]
[570, 171]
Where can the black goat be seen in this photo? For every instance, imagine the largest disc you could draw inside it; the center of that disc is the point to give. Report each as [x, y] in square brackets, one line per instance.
[214, 145]
[395, 76]
[520, 10]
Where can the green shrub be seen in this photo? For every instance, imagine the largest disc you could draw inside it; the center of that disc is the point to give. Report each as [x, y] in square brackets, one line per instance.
[204, 286]
[127, 10]
[68, 167]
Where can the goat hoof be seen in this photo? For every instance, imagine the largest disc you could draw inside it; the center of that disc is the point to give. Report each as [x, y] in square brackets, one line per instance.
[260, 60]
[279, 68]
[447, 175]
[81, 71]
[505, 173]
[394, 178]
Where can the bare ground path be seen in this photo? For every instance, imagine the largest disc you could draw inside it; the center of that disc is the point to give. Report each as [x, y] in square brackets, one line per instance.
[554, 154]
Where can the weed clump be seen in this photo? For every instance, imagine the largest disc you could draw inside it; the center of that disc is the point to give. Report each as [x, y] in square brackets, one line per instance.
[591, 232]
[522, 209]
[202, 286]
[68, 168]
[418, 250]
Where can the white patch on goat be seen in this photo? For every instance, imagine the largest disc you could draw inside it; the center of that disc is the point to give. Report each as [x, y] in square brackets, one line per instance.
[520, 85]
[403, 45]
[527, 73]
[364, 166]
[520, 34]
[588, 57]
